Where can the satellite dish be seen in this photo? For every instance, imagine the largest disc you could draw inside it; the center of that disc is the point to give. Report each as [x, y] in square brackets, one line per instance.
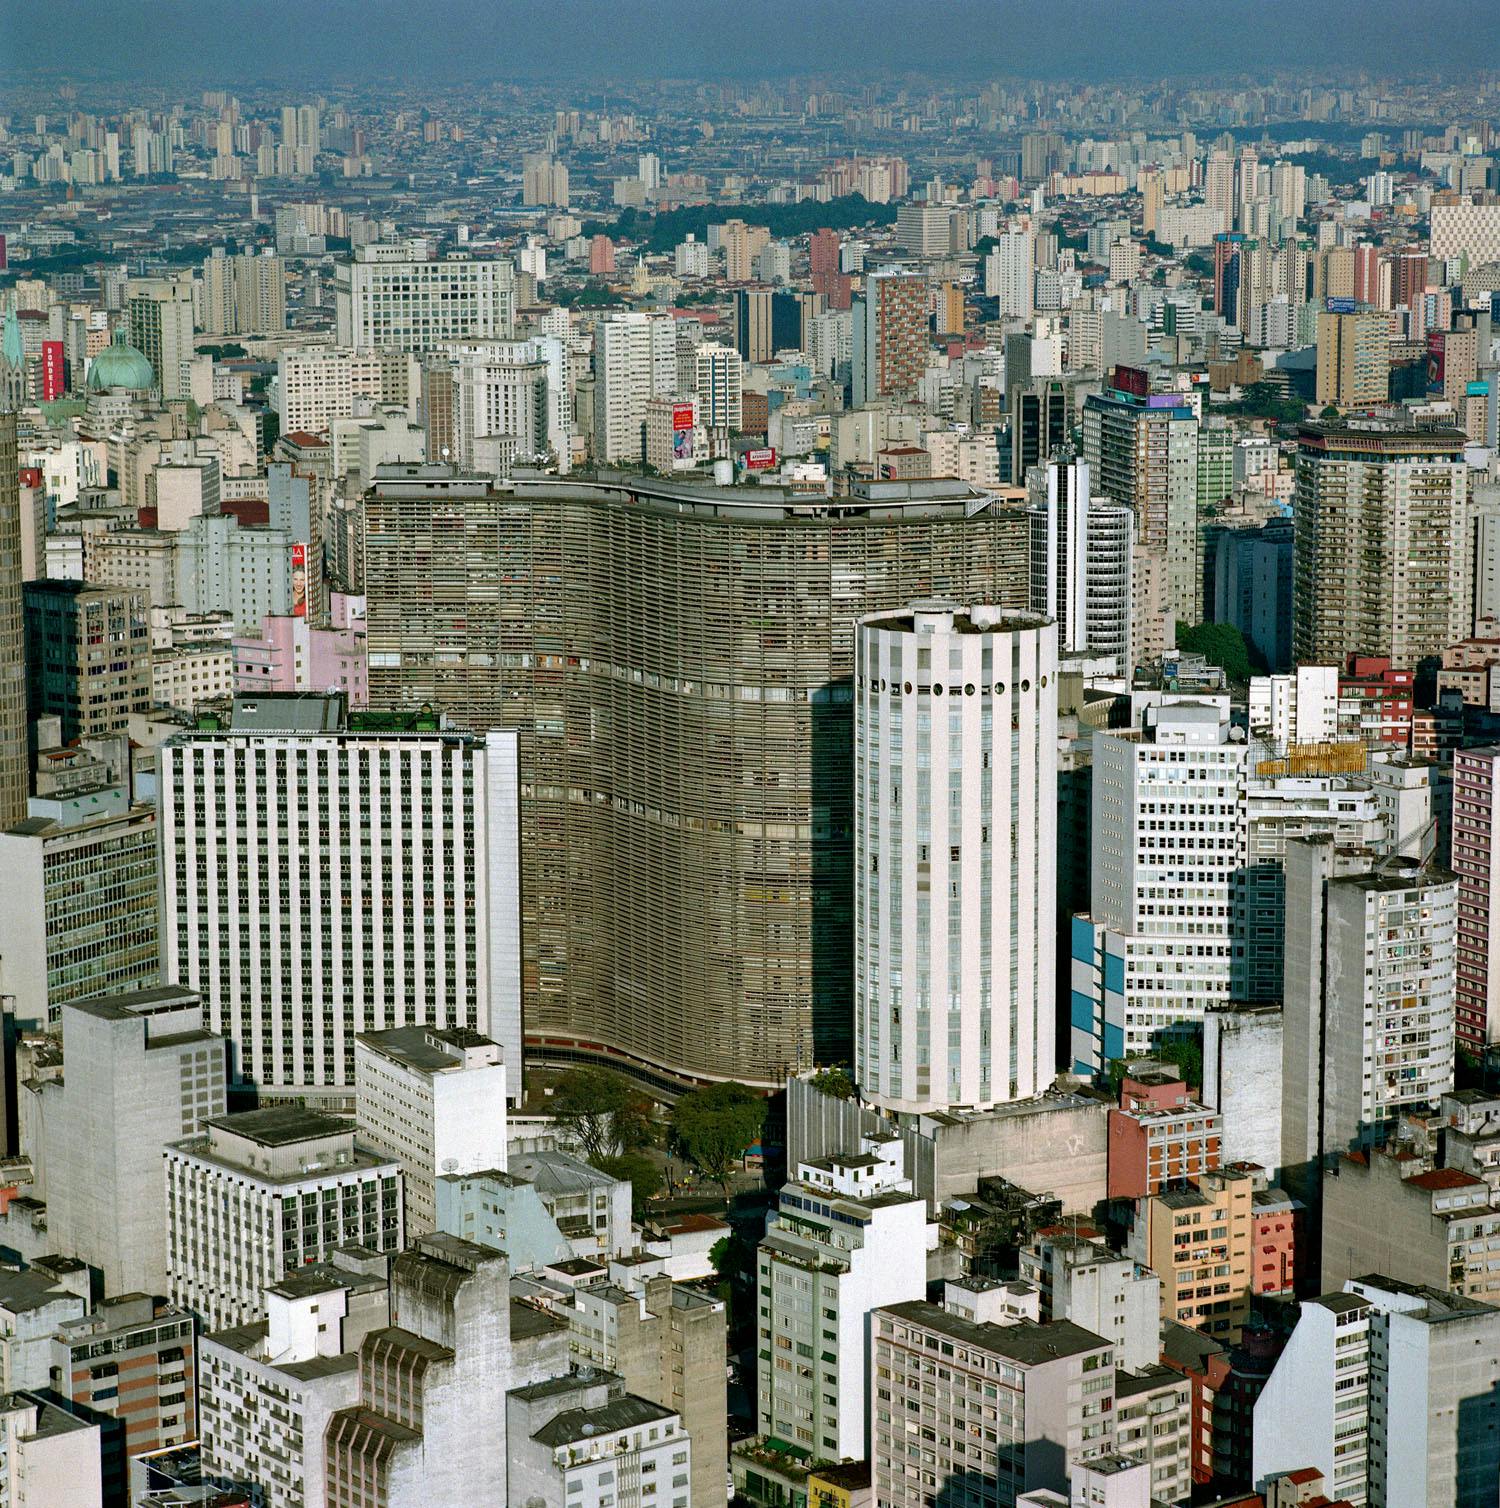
[450, 1165]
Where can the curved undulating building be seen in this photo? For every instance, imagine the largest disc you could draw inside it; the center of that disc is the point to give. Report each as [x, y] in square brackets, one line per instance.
[679, 663]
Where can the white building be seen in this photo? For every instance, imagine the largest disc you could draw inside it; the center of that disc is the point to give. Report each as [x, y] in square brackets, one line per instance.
[955, 853]
[393, 297]
[582, 1441]
[1314, 1410]
[141, 1071]
[1111, 1295]
[317, 384]
[263, 1193]
[434, 1099]
[499, 390]
[47, 1456]
[1082, 552]
[1434, 1395]
[842, 1243]
[1165, 848]
[635, 360]
[385, 889]
[718, 382]
[266, 1390]
[1300, 706]
[1010, 274]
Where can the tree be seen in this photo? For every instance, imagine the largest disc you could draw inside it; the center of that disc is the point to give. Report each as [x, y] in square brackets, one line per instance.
[834, 1082]
[1221, 644]
[716, 1125]
[608, 1117]
[643, 1176]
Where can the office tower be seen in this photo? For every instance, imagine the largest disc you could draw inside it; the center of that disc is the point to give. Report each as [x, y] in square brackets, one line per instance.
[1042, 153]
[261, 1193]
[433, 1098]
[1476, 862]
[890, 336]
[267, 1390]
[78, 906]
[159, 318]
[317, 384]
[88, 656]
[748, 888]
[1465, 230]
[849, 1237]
[955, 840]
[1081, 549]
[14, 777]
[459, 1348]
[383, 893]
[1315, 1406]
[1111, 1295]
[1253, 574]
[1218, 188]
[1379, 547]
[133, 1359]
[1142, 451]
[499, 390]
[1010, 274]
[718, 381]
[260, 292]
[742, 244]
[1152, 188]
[220, 316]
[765, 322]
[1052, 1388]
[141, 1071]
[1155, 951]
[823, 252]
[1041, 417]
[635, 360]
[1229, 266]
[1353, 360]
[394, 298]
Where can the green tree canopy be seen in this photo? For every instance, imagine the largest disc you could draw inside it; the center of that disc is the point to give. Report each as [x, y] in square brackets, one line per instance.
[715, 1125]
[608, 1116]
[834, 1082]
[643, 1176]
[1221, 644]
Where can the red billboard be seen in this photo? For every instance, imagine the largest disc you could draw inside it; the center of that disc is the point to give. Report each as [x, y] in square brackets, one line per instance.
[53, 380]
[760, 460]
[1131, 380]
[299, 581]
[684, 417]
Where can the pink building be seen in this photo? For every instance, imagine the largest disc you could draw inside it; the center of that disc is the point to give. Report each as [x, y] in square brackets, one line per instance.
[1276, 1224]
[292, 655]
[1476, 862]
[1159, 1136]
[601, 255]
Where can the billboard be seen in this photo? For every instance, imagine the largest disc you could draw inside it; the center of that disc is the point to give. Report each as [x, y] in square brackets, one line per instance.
[1340, 305]
[684, 426]
[1131, 380]
[760, 460]
[53, 380]
[299, 581]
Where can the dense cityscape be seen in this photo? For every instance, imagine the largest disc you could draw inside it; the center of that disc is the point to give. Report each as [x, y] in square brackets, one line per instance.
[774, 791]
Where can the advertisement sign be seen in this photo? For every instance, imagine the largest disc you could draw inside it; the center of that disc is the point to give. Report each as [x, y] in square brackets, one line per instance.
[1437, 351]
[760, 460]
[1340, 305]
[684, 427]
[1131, 380]
[299, 581]
[53, 381]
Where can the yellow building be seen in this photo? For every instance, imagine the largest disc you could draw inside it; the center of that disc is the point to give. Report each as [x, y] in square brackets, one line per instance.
[1354, 368]
[1198, 1240]
[840, 1486]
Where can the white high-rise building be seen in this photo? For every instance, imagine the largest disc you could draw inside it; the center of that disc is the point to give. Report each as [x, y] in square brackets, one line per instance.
[717, 380]
[317, 384]
[1010, 274]
[263, 1193]
[434, 1098]
[1166, 847]
[394, 297]
[1082, 551]
[319, 880]
[635, 360]
[849, 1237]
[499, 390]
[955, 855]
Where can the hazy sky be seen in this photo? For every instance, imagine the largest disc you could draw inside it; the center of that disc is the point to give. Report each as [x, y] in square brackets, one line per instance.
[225, 40]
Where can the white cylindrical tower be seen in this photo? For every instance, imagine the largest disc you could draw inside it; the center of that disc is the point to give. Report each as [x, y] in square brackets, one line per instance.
[955, 729]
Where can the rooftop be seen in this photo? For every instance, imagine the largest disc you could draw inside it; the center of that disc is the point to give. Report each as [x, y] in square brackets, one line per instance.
[1029, 1343]
[281, 1125]
[573, 1425]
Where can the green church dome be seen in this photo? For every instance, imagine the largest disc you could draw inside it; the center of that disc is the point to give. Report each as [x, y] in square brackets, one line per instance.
[120, 365]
